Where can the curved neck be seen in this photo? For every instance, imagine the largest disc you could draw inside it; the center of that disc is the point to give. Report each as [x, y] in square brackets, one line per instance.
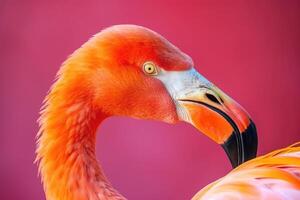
[66, 147]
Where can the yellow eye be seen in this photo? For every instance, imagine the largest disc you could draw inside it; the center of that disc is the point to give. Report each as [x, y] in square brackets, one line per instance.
[150, 68]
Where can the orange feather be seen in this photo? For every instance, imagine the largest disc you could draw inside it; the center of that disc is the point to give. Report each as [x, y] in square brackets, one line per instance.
[273, 176]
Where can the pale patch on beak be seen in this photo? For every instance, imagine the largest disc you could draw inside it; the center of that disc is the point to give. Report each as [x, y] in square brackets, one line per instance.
[211, 111]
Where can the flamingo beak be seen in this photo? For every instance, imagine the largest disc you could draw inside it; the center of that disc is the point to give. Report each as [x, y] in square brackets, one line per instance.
[225, 122]
[215, 114]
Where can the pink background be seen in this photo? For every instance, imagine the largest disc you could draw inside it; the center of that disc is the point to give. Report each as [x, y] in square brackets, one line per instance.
[250, 49]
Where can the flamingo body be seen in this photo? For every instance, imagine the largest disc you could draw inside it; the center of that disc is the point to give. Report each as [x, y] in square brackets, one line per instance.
[273, 176]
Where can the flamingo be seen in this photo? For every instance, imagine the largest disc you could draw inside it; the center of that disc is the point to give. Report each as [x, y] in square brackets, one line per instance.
[127, 70]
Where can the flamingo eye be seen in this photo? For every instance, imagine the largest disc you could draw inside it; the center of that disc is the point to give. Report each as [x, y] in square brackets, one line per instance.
[150, 68]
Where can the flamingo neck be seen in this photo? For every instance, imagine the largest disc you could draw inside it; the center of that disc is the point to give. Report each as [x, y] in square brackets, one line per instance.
[66, 148]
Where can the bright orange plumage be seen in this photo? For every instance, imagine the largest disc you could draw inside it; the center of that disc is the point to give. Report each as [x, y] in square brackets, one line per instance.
[273, 176]
[102, 78]
[107, 77]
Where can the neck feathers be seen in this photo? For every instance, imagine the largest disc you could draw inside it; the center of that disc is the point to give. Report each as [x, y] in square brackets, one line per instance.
[66, 144]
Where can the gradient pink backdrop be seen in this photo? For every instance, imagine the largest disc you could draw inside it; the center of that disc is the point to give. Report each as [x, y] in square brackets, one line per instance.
[250, 49]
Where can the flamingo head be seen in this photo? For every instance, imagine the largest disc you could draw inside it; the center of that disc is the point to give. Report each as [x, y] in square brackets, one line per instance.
[133, 71]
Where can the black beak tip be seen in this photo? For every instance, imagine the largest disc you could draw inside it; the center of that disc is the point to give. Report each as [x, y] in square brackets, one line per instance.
[250, 141]
[241, 147]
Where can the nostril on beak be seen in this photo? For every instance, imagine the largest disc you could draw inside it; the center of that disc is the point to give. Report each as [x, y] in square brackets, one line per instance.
[212, 98]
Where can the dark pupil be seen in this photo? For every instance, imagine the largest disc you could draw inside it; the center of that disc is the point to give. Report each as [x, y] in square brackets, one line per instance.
[149, 68]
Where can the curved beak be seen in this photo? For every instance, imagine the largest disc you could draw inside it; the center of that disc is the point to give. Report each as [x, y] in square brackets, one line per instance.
[215, 114]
